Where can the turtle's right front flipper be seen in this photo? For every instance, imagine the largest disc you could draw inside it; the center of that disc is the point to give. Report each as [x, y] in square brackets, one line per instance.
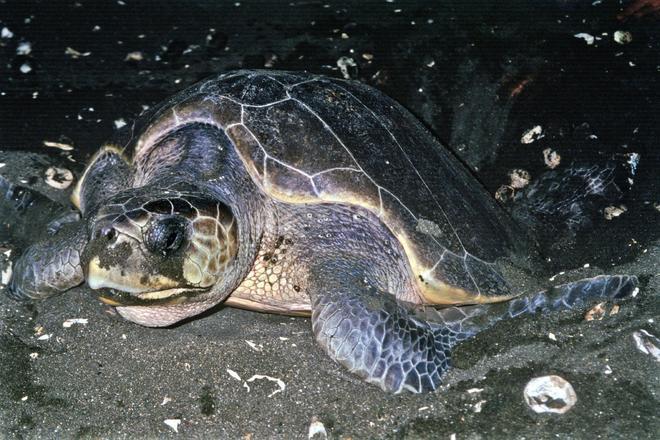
[50, 266]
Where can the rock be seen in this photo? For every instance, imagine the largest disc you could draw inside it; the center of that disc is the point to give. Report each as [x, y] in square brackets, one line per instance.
[550, 394]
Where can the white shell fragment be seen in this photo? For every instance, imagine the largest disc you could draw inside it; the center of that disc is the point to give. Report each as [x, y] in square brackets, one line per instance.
[234, 374]
[24, 48]
[60, 145]
[505, 193]
[70, 51]
[280, 382]
[59, 178]
[6, 33]
[173, 423]
[614, 211]
[5, 275]
[69, 322]
[551, 158]
[119, 123]
[519, 178]
[586, 37]
[647, 343]
[316, 430]
[134, 56]
[550, 394]
[622, 37]
[532, 135]
[344, 63]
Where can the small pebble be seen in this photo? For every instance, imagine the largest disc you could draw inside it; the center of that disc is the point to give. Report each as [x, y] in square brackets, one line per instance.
[6, 33]
[25, 68]
[550, 394]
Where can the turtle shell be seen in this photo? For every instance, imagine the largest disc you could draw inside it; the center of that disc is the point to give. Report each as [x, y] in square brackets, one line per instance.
[306, 139]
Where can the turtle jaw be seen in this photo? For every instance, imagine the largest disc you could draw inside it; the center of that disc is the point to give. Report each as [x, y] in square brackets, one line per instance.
[118, 298]
[130, 290]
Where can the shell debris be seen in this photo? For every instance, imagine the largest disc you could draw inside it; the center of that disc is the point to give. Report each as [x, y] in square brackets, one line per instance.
[623, 37]
[134, 56]
[59, 178]
[280, 382]
[75, 54]
[24, 48]
[344, 63]
[316, 430]
[647, 343]
[5, 274]
[60, 145]
[234, 374]
[6, 33]
[551, 158]
[254, 346]
[69, 322]
[611, 212]
[590, 39]
[519, 178]
[596, 313]
[531, 135]
[173, 423]
[550, 394]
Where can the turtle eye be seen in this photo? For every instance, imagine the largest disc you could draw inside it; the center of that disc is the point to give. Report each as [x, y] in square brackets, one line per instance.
[166, 235]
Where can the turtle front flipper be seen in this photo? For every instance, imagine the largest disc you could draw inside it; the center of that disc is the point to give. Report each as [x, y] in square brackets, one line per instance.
[50, 266]
[107, 173]
[375, 336]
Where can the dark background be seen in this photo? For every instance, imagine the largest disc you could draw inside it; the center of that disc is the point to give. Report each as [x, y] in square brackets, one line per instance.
[478, 73]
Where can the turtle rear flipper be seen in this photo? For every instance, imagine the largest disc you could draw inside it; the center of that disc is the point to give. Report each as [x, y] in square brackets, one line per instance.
[50, 266]
[470, 320]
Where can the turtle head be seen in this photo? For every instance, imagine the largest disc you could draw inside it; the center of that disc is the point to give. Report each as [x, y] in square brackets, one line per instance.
[164, 249]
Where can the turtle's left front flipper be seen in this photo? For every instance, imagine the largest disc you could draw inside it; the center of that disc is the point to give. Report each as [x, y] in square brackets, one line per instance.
[375, 336]
[50, 266]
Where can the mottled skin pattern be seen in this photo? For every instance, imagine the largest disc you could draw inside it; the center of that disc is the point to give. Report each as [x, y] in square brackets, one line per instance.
[242, 190]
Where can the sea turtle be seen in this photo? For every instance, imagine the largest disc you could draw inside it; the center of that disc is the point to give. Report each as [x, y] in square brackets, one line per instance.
[299, 194]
